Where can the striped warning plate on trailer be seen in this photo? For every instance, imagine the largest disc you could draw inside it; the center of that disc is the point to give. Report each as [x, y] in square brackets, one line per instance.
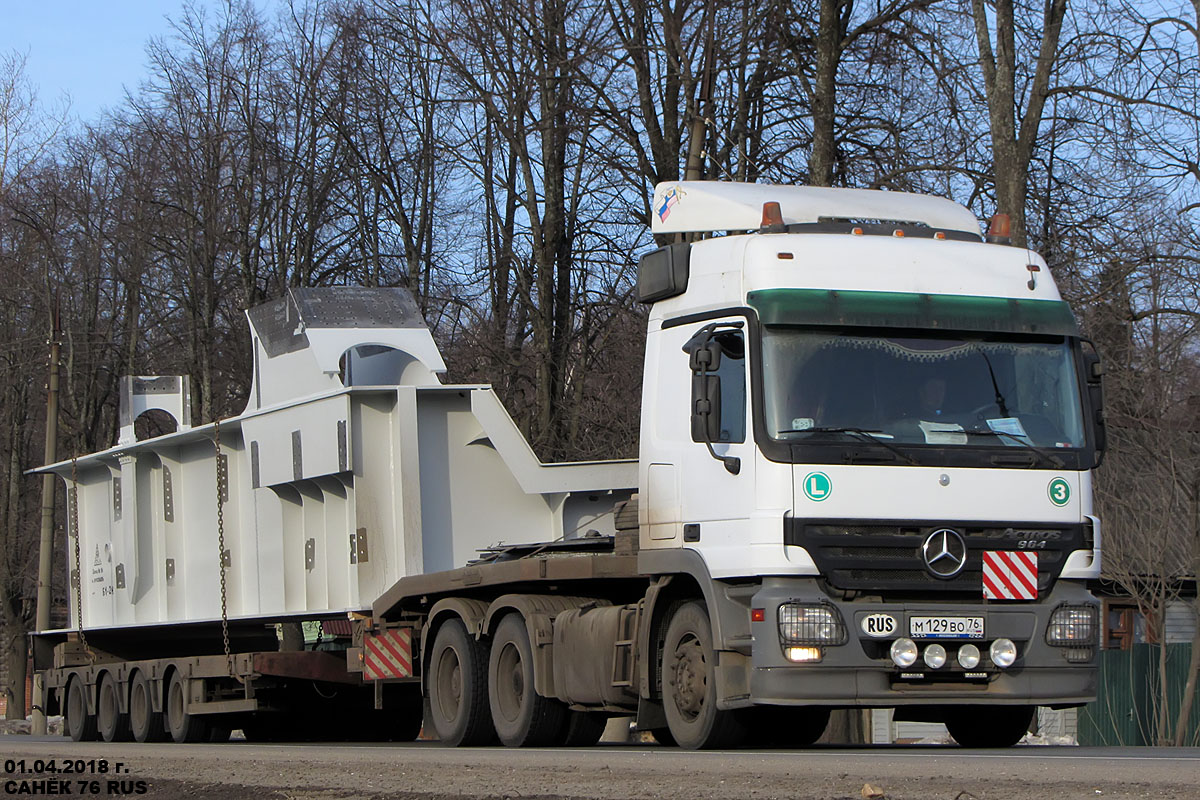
[1010, 575]
[388, 654]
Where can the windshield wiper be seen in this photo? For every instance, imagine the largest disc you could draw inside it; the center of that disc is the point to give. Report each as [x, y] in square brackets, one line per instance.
[1048, 458]
[1000, 404]
[861, 434]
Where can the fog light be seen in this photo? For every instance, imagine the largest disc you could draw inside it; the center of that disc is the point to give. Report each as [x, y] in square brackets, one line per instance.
[1078, 655]
[803, 655]
[968, 656]
[810, 624]
[904, 652]
[935, 656]
[1003, 653]
[1072, 626]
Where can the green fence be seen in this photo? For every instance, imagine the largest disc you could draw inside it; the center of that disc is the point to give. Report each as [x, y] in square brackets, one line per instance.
[1125, 711]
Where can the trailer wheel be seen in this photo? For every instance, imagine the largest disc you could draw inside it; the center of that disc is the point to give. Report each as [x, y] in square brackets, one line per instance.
[184, 727]
[146, 723]
[458, 703]
[989, 726]
[689, 688]
[522, 717]
[112, 725]
[80, 724]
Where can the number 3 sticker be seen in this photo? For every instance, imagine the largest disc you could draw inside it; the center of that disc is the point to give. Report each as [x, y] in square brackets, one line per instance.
[1059, 491]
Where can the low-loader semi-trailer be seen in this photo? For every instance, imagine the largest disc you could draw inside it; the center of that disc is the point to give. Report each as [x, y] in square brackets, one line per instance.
[864, 481]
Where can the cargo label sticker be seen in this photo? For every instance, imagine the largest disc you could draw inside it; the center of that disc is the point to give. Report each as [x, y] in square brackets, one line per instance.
[1059, 491]
[817, 486]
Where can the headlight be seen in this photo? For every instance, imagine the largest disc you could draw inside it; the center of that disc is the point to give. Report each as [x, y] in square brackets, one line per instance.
[968, 656]
[935, 656]
[1072, 626]
[1003, 653]
[904, 652]
[810, 624]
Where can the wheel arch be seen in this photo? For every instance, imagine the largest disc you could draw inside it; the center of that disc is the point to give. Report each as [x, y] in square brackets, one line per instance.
[681, 576]
[469, 611]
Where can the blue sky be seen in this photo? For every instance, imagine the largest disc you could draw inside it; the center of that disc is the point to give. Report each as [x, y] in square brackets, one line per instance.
[90, 49]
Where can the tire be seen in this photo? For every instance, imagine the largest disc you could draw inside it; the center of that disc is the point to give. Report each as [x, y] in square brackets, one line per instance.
[522, 717]
[219, 733]
[80, 725]
[689, 690]
[583, 729]
[989, 726]
[458, 702]
[183, 727]
[145, 723]
[785, 727]
[111, 724]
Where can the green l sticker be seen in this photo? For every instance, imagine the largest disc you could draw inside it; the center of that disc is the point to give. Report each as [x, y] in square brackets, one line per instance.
[817, 486]
[1059, 491]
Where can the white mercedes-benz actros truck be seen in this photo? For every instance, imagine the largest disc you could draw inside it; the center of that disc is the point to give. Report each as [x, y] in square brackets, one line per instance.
[864, 481]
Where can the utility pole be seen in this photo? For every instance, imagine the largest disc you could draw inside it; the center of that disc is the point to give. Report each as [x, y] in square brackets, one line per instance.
[46, 551]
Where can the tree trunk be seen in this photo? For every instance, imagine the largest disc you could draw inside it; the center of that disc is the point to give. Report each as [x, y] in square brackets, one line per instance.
[824, 101]
[1012, 148]
[1189, 688]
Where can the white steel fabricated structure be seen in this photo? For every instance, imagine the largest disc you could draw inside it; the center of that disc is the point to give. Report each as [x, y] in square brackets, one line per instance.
[864, 481]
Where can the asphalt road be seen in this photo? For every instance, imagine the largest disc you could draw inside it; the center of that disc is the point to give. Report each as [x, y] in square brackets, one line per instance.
[427, 771]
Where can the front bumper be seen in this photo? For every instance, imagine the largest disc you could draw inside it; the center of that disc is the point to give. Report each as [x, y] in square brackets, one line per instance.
[861, 673]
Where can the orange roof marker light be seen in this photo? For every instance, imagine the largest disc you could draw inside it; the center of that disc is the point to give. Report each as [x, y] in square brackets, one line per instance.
[1000, 229]
[772, 218]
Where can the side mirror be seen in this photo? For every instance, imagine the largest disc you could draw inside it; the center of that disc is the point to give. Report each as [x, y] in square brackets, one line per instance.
[1093, 370]
[706, 408]
[705, 356]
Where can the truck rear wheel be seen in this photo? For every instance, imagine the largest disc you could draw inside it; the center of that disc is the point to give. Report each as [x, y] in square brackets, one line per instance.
[522, 717]
[458, 702]
[989, 726]
[689, 688]
[80, 724]
[146, 723]
[112, 725]
[184, 727]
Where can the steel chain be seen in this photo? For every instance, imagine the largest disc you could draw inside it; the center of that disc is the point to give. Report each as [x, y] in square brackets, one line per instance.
[221, 551]
[74, 514]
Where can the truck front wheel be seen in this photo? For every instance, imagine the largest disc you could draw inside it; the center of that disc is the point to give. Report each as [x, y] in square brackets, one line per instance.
[457, 680]
[989, 726]
[689, 685]
[522, 717]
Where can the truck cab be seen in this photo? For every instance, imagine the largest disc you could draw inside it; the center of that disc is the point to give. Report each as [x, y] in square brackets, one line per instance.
[876, 430]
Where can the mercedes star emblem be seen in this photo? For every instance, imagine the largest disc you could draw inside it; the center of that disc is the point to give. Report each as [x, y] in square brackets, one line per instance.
[945, 553]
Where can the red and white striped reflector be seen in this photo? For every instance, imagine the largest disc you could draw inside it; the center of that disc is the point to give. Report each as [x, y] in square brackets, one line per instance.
[1010, 575]
[388, 654]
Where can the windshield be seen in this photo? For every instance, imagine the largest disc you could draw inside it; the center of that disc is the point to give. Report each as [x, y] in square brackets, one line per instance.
[934, 390]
